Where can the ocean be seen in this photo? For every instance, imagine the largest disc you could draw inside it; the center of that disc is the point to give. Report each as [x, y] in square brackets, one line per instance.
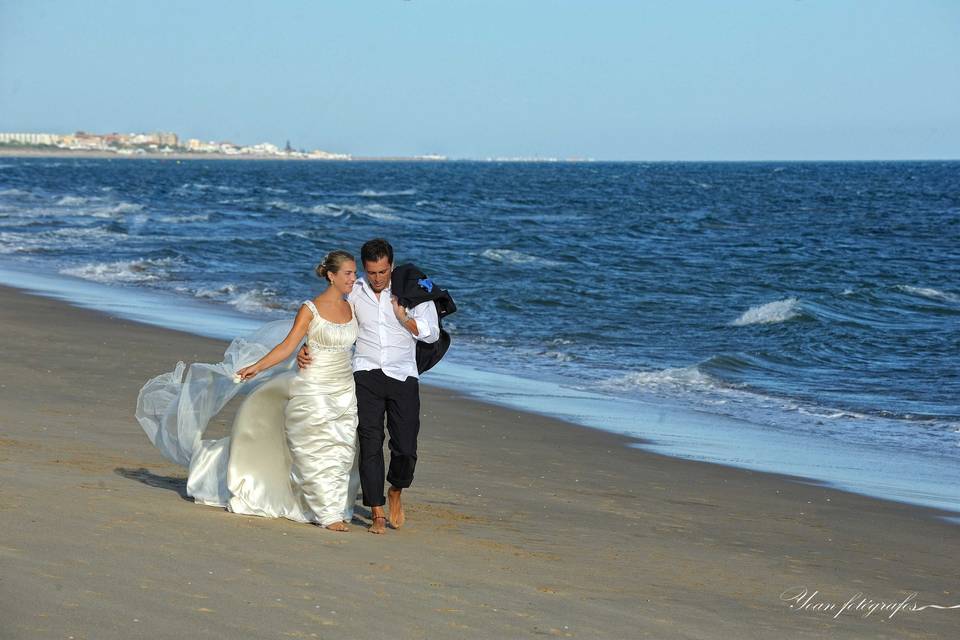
[802, 318]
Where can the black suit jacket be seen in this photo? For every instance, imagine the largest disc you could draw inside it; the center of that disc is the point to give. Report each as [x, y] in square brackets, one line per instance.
[405, 286]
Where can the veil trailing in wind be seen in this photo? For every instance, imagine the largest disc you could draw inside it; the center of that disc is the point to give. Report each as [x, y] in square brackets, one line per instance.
[174, 409]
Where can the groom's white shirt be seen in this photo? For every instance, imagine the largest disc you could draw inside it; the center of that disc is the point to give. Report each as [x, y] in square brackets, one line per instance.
[382, 342]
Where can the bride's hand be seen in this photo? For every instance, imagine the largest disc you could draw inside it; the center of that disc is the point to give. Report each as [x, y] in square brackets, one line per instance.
[244, 374]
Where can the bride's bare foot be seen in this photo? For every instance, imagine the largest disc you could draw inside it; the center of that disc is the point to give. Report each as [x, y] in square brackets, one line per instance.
[396, 508]
[379, 524]
[337, 526]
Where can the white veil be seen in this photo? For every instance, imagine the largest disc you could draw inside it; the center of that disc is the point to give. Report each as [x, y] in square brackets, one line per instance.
[174, 409]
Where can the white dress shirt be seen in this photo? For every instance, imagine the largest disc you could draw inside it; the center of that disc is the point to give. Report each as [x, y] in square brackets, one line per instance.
[382, 342]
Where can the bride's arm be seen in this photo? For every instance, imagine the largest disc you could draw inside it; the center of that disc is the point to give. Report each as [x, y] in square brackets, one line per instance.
[283, 350]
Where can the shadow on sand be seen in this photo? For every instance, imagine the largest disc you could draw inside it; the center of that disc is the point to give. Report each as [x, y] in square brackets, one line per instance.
[147, 477]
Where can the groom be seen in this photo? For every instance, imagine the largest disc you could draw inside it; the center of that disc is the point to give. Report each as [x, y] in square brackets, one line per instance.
[385, 371]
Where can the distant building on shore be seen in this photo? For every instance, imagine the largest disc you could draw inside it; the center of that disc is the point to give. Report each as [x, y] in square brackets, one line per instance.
[29, 138]
[158, 142]
[168, 139]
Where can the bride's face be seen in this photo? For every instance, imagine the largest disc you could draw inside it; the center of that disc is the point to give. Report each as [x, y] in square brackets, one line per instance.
[343, 279]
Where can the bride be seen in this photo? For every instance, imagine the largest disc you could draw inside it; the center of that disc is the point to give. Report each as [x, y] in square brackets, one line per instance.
[292, 451]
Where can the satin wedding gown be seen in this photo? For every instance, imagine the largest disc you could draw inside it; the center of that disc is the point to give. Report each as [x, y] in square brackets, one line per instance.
[292, 451]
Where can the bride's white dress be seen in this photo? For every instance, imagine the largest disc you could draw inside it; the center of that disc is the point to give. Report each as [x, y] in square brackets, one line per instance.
[292, 451]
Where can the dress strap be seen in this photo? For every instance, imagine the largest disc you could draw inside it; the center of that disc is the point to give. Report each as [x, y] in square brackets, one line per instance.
[313, 309]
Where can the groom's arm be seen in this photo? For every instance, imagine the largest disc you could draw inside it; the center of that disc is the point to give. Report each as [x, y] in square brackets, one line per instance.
[421, 321]
[427, 322]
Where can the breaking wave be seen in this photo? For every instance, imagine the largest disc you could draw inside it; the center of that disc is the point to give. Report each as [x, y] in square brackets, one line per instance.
[256, 300]
[124, 271]
[509, 256]
[370, 193]
[770, 313]
[929, 293]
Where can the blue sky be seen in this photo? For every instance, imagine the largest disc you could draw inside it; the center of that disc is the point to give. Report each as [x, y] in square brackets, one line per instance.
[619, 80]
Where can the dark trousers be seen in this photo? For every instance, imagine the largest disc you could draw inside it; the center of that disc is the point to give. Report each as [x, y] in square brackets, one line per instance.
[379, 394]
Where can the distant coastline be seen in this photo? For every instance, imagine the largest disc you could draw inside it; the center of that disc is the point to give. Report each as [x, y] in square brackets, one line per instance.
[38, 152]
[34, 152]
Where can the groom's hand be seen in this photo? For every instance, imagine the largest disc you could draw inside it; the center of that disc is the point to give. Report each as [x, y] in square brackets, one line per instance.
[303, 357]
[402, 316]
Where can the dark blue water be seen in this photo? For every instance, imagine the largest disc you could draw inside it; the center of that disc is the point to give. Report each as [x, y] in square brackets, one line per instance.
[807, 297]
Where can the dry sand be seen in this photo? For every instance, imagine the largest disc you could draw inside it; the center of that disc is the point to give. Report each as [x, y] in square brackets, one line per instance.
[517, 526]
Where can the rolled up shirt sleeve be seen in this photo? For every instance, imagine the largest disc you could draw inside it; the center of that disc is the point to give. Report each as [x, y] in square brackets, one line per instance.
[428, 324]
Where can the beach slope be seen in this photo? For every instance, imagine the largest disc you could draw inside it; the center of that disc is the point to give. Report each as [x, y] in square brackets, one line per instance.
[517, 526]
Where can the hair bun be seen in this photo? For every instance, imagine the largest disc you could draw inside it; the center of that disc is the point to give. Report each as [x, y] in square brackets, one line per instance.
[332, 262]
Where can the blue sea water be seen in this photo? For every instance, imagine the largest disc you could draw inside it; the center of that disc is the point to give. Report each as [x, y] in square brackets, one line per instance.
[793, 317]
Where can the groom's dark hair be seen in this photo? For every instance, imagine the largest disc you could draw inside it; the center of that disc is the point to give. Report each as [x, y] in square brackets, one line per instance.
[373, 250]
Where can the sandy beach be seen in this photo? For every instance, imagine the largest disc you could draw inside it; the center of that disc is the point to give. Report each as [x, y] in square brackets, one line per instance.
[517, 526]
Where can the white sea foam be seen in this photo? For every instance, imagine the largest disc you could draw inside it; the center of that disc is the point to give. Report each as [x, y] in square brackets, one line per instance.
[675, 378]
[255, 301]
[114, 210]
[929, 292]
[123, 271]
[259, 300]
[769, 313]
[509, 256]
[370, 193]
[217, 292]
[284, 205]
[199, 217]
[193, 186]
[14, 192]
[102, 207]
[275, 190]
[335, 210]
[326, 210]
[293, 234]
[65, 237]
[86, 234]
[74, 201]
[14, 243]
[375, 211]
[826, 413]
[127, 207]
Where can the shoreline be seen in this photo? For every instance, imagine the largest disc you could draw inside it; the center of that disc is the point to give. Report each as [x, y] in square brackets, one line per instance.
[108, 155]
[682, 433]
[518, 525]
[105, 155]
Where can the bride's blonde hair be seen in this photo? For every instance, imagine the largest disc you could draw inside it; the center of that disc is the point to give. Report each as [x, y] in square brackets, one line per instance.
[332, 262]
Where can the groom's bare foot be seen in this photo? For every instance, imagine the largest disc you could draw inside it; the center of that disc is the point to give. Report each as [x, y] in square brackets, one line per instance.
[337, 526]
[397, 518]
[379, 524]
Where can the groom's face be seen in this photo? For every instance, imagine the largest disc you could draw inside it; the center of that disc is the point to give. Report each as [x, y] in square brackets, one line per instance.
[378, 273]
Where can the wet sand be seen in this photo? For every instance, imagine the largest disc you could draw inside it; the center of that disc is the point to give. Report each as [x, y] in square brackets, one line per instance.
[517, 526]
